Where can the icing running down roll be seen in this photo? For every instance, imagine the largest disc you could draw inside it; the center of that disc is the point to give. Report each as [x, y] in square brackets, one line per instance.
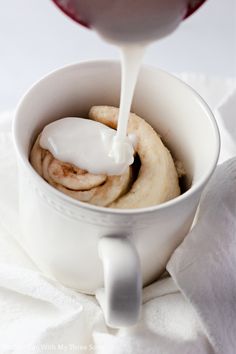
[151, 180]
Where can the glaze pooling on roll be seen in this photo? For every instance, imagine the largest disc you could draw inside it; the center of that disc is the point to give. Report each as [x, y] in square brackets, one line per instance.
[86, 143]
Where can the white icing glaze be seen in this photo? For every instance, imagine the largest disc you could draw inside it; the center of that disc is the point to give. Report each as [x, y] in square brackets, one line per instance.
[93, 146]
[87, 144]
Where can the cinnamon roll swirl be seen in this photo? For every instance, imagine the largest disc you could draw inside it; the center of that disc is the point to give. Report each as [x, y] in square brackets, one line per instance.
[151, 180]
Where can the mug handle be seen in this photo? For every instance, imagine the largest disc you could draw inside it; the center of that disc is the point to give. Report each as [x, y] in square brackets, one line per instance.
[120, 298]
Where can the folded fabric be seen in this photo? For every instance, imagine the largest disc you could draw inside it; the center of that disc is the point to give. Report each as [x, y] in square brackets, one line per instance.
[203, 267]
[194, 311]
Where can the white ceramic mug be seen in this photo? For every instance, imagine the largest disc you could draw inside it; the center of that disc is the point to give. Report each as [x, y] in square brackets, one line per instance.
[87, 247]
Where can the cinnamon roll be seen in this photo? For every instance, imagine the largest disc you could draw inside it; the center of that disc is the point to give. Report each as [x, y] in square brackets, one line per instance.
[151, 180]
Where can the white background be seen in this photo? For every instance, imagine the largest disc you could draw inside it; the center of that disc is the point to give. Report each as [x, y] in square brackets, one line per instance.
[36, 38]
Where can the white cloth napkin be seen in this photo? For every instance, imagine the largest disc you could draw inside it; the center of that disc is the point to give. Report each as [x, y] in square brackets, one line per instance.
[194, 311]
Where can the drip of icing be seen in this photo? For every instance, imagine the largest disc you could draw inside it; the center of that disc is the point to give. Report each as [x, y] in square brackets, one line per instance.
[131, 60]
[87, 144]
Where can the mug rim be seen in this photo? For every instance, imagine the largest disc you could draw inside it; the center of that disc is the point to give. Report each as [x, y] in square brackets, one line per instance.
[115, 211]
